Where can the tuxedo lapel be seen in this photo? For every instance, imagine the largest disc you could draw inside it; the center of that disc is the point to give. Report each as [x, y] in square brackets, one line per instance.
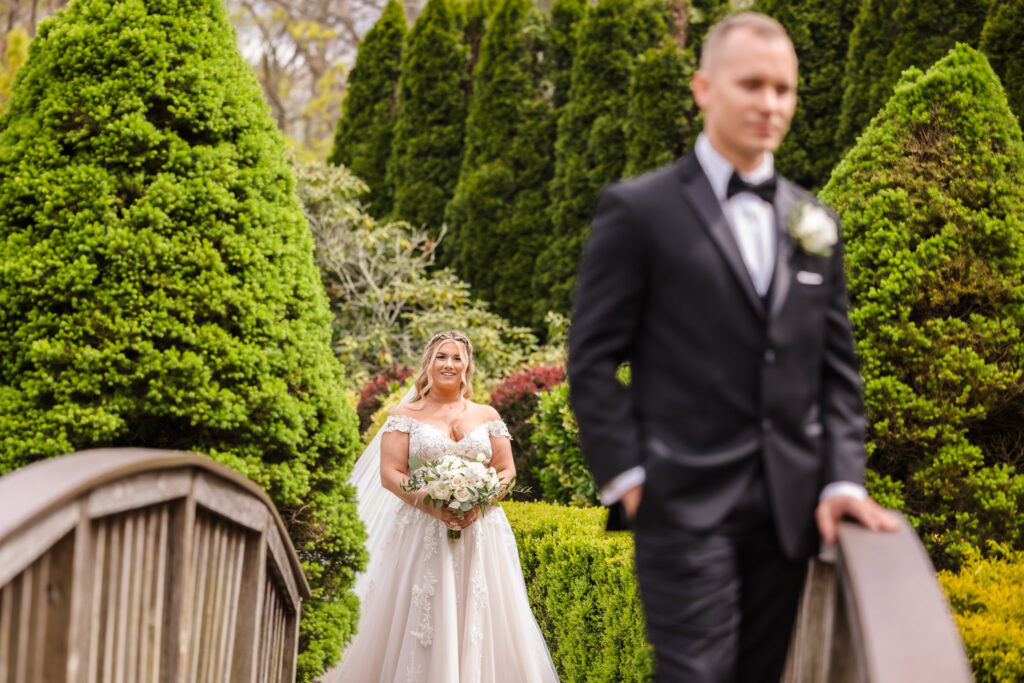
[698, 192]
[786, 200]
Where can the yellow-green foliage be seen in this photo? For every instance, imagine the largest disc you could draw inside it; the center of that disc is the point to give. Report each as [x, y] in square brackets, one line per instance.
[583, 591]
[988, 601]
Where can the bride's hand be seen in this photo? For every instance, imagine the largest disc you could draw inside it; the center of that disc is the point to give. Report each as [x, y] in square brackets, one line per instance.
[452, 519]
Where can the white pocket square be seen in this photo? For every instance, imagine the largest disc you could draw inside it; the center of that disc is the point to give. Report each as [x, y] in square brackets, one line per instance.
[806, 277]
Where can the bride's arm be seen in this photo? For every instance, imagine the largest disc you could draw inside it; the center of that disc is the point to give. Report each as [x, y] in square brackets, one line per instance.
[394, 458]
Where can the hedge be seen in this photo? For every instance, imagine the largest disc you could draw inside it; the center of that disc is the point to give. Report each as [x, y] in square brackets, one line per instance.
[583, 592]
[157, 284]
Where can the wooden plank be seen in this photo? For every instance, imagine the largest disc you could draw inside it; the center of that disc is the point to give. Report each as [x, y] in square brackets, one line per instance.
[96, 613]
[26, 582]
[83, 571]
[22, 549]
[160, 597]
[57, 598]
[898, 611]
[6, 618]
[138, 491]
[247, 650]
[808, 658]
[111, 580]
[229, 501]
[235, 597]
[39, 609]
[145, 598]
[134, 635]
[124, 599]
[176, 648]
[281, 566]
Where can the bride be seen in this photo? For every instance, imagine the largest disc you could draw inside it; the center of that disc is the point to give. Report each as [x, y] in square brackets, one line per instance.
[436, 610]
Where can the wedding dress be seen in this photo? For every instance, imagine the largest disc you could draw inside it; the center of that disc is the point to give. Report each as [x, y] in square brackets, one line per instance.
[435, 610]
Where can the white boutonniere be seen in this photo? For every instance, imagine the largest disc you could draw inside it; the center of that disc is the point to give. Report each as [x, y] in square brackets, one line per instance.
[813, 229]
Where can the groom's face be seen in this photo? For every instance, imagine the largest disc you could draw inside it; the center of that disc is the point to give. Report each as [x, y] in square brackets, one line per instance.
[747, 91]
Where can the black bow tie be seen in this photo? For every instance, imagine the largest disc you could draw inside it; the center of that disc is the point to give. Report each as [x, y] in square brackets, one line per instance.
[765, 190]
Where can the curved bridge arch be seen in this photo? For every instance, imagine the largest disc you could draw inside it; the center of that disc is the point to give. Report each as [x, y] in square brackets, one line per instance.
[144, 565]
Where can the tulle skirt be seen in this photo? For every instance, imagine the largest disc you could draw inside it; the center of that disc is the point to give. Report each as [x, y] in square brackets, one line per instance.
[445, 611]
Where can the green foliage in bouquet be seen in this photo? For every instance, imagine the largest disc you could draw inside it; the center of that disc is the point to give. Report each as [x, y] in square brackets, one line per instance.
[497, 217]
[892, 35]
[932, 202]
[157, 284]
[561, 469]
[363, 139]
[591, 146]
[989, 608]
[426, 150]
[662, 124]
[820, 31]
[1002, 40]
[583, 590]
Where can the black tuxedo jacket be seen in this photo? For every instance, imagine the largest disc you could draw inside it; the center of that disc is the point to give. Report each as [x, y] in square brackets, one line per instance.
[726, 385]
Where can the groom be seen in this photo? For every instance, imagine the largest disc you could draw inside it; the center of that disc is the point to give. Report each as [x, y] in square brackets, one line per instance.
[740, 437]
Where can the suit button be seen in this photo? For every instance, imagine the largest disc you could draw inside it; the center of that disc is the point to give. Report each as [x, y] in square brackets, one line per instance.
[769, 356]
[766, 425]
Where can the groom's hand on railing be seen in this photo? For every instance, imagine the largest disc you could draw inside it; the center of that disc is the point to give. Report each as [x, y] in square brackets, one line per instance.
[864, 510]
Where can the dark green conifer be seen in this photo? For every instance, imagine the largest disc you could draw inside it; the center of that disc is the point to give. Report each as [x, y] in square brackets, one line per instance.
[892, 35]
[561, 46]
[505, 167]
[701, 16]
[1002, 40]
[662, 123]
[426, 151]
[363, 139]
[932, 202]
[157, 284]
[820, 31]
[591, 148]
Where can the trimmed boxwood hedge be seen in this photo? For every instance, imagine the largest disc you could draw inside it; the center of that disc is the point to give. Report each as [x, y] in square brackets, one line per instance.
[583, 591]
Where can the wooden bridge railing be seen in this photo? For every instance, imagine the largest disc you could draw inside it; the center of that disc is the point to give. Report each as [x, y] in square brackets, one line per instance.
[875, 613]
[137, 566]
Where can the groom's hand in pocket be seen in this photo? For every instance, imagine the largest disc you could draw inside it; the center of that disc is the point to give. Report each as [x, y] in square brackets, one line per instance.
[631, 501]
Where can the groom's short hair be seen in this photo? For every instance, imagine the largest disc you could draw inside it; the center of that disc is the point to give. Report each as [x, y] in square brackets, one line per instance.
[760, 24]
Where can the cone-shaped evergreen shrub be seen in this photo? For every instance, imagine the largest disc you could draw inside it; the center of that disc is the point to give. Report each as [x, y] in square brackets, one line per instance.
[1002, 40]
[426, 151]
[363, 139]
[820, 31]
[561, 46]
[932, 200]
[702, 15]
[157, 284]
[496, 217]
[662, 114]
[591, 148]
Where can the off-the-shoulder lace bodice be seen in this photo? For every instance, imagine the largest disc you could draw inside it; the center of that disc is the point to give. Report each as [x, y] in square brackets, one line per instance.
[428, 442]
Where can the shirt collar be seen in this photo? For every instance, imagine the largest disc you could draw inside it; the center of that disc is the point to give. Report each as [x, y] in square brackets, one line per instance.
[718, 170]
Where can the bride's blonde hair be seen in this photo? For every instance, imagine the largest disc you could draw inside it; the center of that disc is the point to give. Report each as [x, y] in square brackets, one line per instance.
[423, 381]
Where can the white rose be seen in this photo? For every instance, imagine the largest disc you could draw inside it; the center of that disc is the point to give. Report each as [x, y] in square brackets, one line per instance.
[481, 457]
[814, 230]
[457, 482]
[438, 490]
[462, 495]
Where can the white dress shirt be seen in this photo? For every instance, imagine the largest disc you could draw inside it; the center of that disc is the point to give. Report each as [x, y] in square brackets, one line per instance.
[752, 221]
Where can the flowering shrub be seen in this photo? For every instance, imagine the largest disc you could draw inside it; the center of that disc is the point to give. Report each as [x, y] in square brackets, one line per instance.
[374, 391]
[516, 400]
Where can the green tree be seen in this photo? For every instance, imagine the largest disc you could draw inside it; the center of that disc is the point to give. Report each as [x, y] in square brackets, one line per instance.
[662, 122]
[892, 35]
[561, 46]
[1002, 40]
[932, 202]
[701, 15]
[157, 284]
[820, 31]
[591, 147]
[505, 167]
[426, 151]
[363, 140]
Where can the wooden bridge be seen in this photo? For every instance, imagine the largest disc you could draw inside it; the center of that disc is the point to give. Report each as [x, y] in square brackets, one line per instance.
[138, 566]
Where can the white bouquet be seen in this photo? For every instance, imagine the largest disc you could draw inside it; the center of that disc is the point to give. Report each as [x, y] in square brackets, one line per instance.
[456, 483]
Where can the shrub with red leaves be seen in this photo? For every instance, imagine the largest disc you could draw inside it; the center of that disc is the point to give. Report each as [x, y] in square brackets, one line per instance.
[376, 390]
[515, 399]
